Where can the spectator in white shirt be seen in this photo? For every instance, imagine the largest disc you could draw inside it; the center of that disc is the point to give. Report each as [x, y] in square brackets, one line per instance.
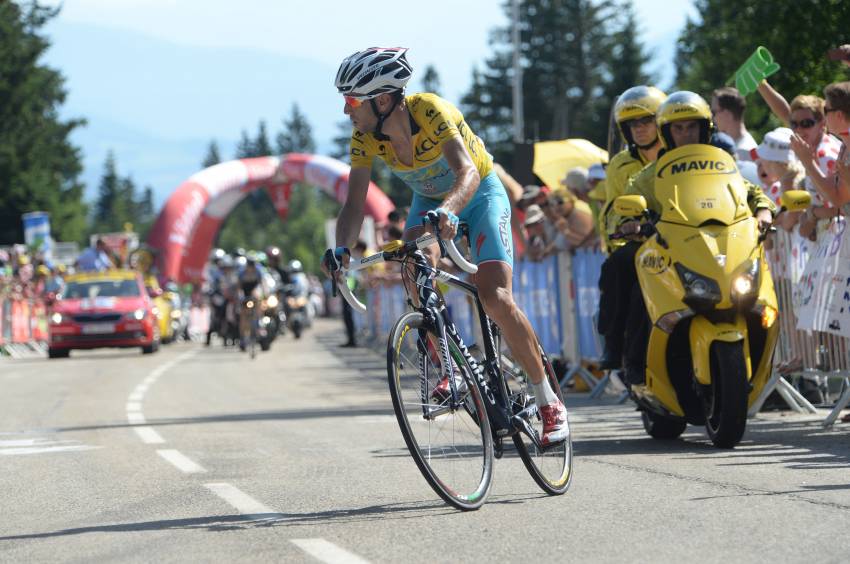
[727, 110]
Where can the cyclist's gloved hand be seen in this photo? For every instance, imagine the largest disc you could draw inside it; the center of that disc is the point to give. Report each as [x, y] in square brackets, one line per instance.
[334, 259]
[448, 223]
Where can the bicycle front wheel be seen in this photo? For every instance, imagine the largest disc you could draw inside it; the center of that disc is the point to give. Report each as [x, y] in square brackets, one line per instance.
[450, 441]
[551, 468]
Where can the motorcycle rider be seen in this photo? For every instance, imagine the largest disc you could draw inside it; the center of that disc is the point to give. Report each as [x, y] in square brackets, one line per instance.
[634, 113]
[683, 119]
[275, 263]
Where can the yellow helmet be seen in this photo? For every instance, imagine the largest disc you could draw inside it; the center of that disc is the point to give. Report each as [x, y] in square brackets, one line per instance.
[634, 103]
[684, 105]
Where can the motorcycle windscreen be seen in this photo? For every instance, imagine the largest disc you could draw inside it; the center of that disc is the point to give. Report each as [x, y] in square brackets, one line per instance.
[698, 184]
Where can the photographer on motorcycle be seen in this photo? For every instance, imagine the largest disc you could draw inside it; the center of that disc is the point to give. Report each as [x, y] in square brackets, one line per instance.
[683, 119]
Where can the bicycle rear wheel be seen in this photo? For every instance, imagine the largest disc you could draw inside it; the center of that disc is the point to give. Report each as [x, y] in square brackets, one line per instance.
[451, 444]
[551, 468]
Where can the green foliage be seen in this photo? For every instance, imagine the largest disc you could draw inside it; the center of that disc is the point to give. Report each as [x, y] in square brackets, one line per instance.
[254, 223]
[431, 80]
[798, 34]
[39, 167]
[577, 56]
[213, 156]
[297, 134]
[118, 203]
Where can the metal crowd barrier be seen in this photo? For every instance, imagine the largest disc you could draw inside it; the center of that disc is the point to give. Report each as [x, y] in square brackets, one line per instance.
[812, 283]
[23, 327]
[560, 296]
[536, 288]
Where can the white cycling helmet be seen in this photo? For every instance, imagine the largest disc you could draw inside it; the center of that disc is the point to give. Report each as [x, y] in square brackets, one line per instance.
[374, 71]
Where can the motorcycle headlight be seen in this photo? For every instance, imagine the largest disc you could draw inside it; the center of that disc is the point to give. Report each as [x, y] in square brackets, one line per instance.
[271, 301]
[701, 292]
[746, 282]
[176, 313]
[57, 318]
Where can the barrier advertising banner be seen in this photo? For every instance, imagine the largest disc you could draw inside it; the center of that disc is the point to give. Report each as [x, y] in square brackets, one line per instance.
[535, 288]
[824, 288]
[37, 232]
[586, 268]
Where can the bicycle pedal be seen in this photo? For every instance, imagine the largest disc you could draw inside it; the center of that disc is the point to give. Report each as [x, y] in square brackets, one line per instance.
[498, 448]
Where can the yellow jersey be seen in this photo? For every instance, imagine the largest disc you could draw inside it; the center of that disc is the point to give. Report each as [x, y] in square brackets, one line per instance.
[623, 166]
[433, 121]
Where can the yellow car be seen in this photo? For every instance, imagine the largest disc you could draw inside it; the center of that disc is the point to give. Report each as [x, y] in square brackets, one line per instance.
[163, 309]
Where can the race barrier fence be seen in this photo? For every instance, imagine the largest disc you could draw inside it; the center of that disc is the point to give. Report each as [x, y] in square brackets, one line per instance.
[560, 296]
[23, 327]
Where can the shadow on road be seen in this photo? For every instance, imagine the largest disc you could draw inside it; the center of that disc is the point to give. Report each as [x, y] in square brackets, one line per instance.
[222, 523]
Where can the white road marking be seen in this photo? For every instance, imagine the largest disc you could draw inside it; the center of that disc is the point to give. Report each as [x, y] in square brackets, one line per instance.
[242, 502]
[136, 418]
[45, 449]
[326, 551]
[179, 460]
[148, 435]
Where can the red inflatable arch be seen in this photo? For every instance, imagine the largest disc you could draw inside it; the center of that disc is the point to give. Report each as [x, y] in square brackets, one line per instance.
[185, 230]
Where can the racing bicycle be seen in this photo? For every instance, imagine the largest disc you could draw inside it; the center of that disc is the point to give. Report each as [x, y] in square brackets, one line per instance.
[456, 410]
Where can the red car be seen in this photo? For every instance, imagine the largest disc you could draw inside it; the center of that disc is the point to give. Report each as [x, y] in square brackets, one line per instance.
[103, 309]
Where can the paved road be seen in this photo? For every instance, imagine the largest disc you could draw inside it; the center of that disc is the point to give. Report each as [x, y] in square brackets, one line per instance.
[200, 455]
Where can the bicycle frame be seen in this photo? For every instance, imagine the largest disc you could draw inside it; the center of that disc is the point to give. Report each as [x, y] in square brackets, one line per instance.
[490, 380]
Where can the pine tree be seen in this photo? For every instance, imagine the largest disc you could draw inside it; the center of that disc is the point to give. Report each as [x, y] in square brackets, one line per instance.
[262, 147]
[108, 196]
[297, 134]
[568, 73]
[213, 156]
[39, 167]
[431, 80]
[341, 141]
[245, 147]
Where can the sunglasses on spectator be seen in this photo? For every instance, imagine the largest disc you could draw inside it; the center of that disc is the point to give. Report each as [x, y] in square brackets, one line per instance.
[645, 120]
[803, 123]
[353, 102]
[827, 109]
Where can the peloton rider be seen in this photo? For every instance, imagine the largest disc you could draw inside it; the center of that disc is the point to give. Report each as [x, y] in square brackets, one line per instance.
[426, 142]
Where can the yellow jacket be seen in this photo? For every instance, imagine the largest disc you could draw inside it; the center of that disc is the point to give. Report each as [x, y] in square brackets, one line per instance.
[620, 170]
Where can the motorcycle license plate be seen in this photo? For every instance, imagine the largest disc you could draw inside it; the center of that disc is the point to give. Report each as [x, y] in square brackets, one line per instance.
[98, 328]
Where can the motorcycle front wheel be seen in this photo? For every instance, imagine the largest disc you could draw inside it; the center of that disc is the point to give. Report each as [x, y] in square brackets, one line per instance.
[725, 400]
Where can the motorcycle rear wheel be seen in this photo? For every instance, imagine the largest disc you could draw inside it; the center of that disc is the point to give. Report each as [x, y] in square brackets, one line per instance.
[725, 400]
[663, 428]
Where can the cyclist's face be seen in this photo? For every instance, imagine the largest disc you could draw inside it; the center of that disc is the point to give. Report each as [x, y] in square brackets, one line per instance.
[361, 116]
[685, 132]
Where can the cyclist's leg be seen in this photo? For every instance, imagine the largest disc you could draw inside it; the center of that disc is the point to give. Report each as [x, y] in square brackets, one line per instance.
[413, 228]
[489, 216]
[491, 243]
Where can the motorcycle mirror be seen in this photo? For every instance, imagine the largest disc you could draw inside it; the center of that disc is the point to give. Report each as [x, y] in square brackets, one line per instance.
[630, 206]
[796, 200]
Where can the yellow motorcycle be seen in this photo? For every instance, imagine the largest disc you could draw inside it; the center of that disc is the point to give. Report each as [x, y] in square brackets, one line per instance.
[709, 295]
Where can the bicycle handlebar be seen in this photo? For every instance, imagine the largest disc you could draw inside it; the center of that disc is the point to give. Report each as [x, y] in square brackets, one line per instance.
[420, 243]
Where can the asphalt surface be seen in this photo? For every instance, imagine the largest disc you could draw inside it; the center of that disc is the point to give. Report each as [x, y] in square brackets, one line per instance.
[200, 455]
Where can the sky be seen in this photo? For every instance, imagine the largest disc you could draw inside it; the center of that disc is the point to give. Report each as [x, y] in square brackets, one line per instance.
[158, 79]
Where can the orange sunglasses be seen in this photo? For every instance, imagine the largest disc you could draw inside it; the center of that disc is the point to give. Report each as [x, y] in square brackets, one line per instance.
[353, 102]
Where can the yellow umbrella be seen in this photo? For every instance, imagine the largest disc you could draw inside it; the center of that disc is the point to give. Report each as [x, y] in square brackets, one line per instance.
[552, 159]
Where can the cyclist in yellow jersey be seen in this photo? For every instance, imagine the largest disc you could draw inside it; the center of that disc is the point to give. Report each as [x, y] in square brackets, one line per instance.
[426, 142]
